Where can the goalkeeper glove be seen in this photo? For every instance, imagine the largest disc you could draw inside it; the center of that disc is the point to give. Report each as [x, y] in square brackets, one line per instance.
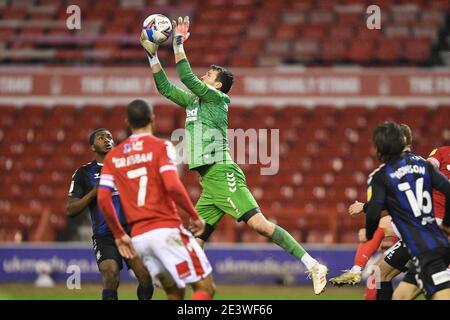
[181, 34]
[150, 48]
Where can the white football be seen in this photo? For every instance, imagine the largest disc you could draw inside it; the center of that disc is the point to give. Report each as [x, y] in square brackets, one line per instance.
[158, 28]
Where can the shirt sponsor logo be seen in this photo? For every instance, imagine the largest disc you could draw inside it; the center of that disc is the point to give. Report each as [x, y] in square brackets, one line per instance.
[191, 115]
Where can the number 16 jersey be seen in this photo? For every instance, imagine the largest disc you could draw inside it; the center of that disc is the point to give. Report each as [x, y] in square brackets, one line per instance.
[135, 167]
[404, 187]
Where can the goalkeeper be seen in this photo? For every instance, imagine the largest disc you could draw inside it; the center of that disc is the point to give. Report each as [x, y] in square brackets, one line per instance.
[223, 182]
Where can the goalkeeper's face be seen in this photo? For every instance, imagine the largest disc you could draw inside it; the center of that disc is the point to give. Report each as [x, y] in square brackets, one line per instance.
[103, 142]
[210, 78]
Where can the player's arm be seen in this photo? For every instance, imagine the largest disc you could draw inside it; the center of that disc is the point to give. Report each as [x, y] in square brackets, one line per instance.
[358, 208]
[105, 190]
[442, 184]
[175, 189]
[434, 158]
[78, 200]
[164, 86]
[122, 240]
[187, 77]
[179, 195]
[105, 203]
[376, 196]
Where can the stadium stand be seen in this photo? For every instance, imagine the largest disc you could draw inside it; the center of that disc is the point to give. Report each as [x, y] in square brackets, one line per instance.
[40, 147]
[296, 31]
[319, 176]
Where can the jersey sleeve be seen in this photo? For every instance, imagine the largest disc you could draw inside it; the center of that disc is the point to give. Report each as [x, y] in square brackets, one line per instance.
[77, 188]
[167, 158]
[376, 194]
[435, 157]
[171, 181]
[172, 92]
[441, 183]
[198, 87]
[438, 180]
[107, 176]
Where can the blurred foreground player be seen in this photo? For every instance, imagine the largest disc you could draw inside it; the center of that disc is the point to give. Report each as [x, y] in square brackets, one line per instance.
[83, 195]
[395, 259]
[404, 186]
[143, 169]
[440, 158]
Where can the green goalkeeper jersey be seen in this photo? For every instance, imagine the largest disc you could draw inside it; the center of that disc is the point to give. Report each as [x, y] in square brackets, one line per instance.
[206, 116]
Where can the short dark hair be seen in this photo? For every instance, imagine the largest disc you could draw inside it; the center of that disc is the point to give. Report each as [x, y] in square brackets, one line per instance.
[388, 140]
[406, 130]
[139, 114]
[94, 133]
[224, 76]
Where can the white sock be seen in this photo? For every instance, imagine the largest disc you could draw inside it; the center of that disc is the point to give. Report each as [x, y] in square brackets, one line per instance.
[356, 269]
[309, 261]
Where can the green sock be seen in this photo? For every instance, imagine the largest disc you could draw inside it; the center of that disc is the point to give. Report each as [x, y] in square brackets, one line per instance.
[284, 240]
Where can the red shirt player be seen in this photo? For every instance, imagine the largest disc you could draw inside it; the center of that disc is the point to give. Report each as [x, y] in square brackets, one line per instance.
[142, 168]
[440, 158]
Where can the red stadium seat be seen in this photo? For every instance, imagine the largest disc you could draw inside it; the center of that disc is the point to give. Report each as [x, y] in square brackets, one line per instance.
[313, 31]
[417, 50]
[361, 51]
[388, 51]
[243, 60]
[341, 33]
[7, 116]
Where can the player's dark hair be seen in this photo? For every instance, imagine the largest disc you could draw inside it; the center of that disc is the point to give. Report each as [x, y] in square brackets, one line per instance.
[93, 134]
[139, 114]
[388, 140]
[224, 76]
[406, 130]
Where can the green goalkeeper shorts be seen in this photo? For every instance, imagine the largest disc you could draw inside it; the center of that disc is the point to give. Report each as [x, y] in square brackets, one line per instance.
[225, 191]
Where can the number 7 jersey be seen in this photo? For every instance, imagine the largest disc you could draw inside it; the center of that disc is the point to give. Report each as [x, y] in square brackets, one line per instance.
[404, 187]
[135, 167]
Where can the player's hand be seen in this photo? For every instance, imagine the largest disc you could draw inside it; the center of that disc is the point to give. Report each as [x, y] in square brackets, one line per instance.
[445, 229]
[356, 208]
[362, 235]
[125, 247]
[197, 227]
[148, 46]
[180, 31]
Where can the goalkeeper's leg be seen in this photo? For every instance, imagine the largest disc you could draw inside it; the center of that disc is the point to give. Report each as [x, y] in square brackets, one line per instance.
[225, 190]
[284, 240]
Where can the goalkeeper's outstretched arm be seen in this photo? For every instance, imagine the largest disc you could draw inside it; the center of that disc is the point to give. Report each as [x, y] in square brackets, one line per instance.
[189, 79]
[180, 35]
[164, 86]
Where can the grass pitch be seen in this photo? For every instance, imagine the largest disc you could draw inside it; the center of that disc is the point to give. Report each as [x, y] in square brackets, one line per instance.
[127, 291]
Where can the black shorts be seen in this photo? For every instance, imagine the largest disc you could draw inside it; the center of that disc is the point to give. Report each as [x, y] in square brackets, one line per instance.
[105, 249]
[432, 274]
[410, 276]
[398, 256]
